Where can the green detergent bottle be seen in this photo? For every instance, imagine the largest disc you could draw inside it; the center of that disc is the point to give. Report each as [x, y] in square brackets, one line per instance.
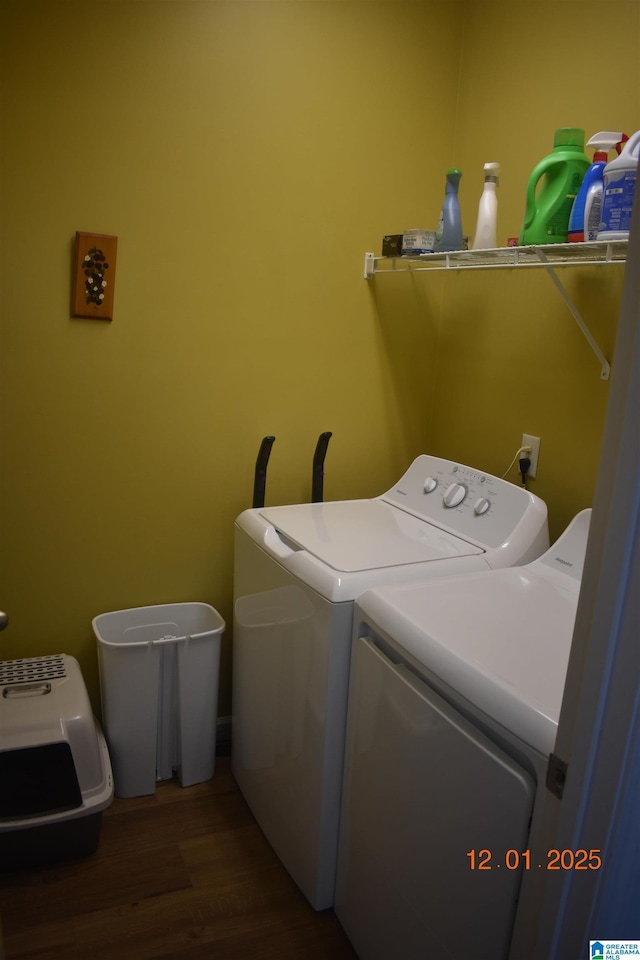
[553, 187]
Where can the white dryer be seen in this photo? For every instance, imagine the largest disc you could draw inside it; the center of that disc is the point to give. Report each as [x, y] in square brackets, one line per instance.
[297, 572]
[456, 687]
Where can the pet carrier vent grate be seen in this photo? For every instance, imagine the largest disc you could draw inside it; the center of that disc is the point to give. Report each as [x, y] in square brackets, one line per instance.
[31, 669]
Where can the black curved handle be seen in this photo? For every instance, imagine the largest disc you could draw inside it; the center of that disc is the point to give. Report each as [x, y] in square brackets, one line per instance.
[260, 478]
[317, 480]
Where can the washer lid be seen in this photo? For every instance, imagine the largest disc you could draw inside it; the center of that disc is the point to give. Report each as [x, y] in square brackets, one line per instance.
[352, 535]
[500, 638]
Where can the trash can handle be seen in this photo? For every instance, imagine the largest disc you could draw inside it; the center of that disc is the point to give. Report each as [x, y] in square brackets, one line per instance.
[145, 644]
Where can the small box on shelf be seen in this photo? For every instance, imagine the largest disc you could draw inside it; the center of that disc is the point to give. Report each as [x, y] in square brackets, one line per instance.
[392, 245]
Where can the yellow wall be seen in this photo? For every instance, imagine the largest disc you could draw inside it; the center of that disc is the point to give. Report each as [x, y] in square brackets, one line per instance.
[513, 360]
[247, 154]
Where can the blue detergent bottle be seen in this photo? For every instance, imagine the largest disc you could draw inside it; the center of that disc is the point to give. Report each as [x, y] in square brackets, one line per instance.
[585, 213]
[449, 232]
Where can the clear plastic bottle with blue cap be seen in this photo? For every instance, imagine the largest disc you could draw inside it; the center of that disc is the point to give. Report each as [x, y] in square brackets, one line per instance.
[449, 232]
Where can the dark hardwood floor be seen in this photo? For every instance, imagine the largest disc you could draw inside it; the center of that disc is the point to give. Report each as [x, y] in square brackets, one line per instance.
[185, 873]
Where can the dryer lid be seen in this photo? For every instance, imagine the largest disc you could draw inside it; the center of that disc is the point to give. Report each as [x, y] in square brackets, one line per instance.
[353, 535]
[500, 638]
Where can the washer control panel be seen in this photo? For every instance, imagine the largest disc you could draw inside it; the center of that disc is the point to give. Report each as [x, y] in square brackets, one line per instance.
[467, 501]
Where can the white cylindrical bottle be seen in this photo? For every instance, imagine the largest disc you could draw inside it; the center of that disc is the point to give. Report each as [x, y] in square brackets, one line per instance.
[485, 235]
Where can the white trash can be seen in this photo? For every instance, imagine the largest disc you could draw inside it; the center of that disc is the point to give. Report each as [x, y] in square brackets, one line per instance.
[159, 670]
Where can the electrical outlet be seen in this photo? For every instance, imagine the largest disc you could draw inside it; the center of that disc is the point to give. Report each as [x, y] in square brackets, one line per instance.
[534, 443]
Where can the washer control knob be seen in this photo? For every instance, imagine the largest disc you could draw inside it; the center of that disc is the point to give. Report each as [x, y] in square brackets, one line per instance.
[454, 494]
[481, 506]
[430, 484]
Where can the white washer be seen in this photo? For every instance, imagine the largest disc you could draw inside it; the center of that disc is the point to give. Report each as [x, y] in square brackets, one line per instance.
[456, 687]
[298, 570]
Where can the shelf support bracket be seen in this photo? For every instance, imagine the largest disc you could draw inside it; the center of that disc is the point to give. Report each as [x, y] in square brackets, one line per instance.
[575, 313]
[369, 265]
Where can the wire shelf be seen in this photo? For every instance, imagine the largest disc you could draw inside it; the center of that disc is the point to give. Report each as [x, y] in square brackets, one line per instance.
[543, 255]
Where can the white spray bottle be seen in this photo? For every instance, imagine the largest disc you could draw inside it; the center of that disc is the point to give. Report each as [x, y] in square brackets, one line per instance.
[485, 235]
[585, 214]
